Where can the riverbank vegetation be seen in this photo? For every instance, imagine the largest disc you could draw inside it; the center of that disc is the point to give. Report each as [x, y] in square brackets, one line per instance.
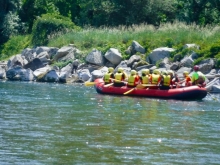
[106, 24]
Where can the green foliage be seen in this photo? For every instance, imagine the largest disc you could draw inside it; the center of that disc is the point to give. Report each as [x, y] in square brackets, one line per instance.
[48, 26]
[62, 64]
[14, 46]
[218, 62]
[198, 60]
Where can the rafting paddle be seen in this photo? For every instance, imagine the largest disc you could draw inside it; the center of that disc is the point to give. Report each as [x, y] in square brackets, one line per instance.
[129, 91]
[87, 84]
[108, 85]
[141, 86]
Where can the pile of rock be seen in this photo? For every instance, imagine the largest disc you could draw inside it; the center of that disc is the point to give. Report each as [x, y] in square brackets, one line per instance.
[35, 64]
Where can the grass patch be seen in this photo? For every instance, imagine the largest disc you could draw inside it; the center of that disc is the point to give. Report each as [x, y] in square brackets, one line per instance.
[14, 46]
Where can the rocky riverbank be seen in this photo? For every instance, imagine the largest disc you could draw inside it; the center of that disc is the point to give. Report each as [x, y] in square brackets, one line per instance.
[37, 64]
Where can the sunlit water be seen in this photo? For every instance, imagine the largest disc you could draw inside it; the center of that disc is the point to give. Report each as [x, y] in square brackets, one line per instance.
[46, 123]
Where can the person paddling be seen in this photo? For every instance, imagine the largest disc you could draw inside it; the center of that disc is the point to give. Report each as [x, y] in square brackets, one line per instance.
[145, 76]
[120, 77]
[155, 79]
[133, 79]
[165, 81]
[173, 78]
[187, 80]
[198, 78]
[109, 76]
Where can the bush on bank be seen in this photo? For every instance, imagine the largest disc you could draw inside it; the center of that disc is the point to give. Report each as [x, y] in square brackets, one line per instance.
[173, 35]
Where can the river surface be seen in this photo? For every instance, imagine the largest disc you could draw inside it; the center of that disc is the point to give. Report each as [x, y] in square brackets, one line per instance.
[47, 123]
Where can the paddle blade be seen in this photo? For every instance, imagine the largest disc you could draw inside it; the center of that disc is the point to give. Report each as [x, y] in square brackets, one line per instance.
[108, 85]
[142, 86]
[129, 91]
[87, 84]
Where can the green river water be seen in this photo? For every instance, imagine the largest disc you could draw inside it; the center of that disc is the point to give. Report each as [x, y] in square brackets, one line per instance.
[47, 123]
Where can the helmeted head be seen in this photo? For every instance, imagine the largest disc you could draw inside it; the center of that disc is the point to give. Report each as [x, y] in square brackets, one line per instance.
[145, 71]
[156, 71]
[133, 72]
[170, 72]
[120, 70]
[196, 68]
[110, 69]
[185, 73]
[164, 72]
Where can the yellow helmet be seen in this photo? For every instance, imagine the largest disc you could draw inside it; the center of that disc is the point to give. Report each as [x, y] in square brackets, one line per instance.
[145, 71]
[133, 72]
[186, 73]
[170, 72]
[164, 72]
[156, 71]
[110, 69]
[120, 70]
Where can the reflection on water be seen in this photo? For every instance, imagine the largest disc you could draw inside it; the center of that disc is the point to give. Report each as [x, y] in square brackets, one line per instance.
[71, 124]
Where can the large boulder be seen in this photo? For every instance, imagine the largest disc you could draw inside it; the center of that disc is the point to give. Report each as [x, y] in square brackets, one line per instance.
[97, 74]
[206, 65]
[28, 54]
[137, 47]
[133, 59]
[42, 49]
[159, 54]
[51, 76]
[84, 74]
[44, 57]
[65, 73]
[16, 60]
[63, 52]
[18, 73]
[187, 61]
[114, 56]
[41, 72]
[34, 64]
[95, 57]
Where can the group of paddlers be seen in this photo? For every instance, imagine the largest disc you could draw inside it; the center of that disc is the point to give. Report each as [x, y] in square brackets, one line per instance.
[163, 80]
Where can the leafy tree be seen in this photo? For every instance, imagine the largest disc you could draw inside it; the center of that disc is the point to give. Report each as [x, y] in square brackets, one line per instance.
[31, 9]
[9, 20]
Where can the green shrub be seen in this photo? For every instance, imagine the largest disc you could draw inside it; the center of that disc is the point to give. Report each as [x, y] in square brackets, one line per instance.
[14, 46]
[62, 64]
[198, 60]
[218, 63]
[49, 26]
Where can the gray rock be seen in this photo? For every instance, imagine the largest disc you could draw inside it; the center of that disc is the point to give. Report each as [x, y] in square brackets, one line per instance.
[15, 60]
[137, 47]
[206, 65]
[114, 56]
[175, 66]
[18, 73]
[84, 75]
[97, 74]
[44, 57]
[51, 76]
[65, 73]
[95, 57]
[133, 59]
[187, 46]
[145, 67]
[63, 52]
[187, 61]
[159, 54]
[34, 64]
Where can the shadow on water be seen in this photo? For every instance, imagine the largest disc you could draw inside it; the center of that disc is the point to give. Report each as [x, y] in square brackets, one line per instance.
[72, 124]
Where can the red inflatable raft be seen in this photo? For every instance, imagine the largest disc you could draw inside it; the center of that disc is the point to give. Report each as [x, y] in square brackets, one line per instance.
[186, 93]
